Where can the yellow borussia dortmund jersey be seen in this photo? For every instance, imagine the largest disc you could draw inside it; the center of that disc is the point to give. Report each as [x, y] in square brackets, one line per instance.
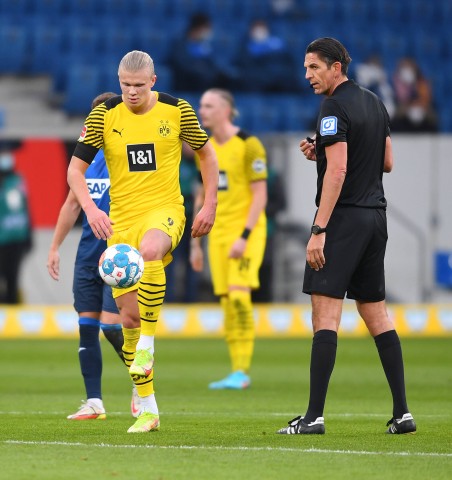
[142, 153]
[241, 161]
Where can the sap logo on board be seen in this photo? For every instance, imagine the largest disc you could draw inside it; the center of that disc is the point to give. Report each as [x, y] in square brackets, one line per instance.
[416, 319]
[66, 321]
[445, 319]
[175, 319]
[280, 320]
[211, 320]
[349, 321]
[2, 319]
[31, 322]
[97, 187]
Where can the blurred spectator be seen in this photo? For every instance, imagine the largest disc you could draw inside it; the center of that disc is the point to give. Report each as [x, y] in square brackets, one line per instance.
[414, 108]
[372, 75]
[266, 63]
[15, 228]
[276, 202]
[182, 282]
[193, 58]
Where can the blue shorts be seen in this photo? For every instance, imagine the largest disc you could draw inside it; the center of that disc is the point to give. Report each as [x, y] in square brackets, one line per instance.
[91, 294]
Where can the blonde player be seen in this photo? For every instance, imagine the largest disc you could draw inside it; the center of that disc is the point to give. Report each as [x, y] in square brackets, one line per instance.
[141, 133]
[236, 243]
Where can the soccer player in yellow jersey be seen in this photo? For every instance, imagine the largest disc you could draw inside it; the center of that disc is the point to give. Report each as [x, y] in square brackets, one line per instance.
[236, 243]
[141, 133]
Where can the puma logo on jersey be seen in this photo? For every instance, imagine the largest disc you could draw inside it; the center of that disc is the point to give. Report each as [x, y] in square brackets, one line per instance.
[119, 132]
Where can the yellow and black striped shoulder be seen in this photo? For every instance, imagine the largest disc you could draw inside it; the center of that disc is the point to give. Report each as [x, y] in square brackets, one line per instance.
[168, 99]
[243, 135]
[113, 102]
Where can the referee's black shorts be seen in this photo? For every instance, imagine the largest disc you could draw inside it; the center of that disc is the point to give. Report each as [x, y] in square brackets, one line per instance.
[354, 251]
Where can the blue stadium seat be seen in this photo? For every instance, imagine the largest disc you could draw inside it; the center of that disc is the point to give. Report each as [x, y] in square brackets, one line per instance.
[115, 39]
[46, 48]
[155, 42]
[15, 7]
[164, 79]
[13, 49]
[83, 84]
[85, 9]
[84, 41]
[48, 8]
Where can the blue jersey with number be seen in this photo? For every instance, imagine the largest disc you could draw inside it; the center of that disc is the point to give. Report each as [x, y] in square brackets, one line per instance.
[98, 181]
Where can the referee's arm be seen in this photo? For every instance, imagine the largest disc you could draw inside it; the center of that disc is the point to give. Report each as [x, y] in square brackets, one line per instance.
[389, 159]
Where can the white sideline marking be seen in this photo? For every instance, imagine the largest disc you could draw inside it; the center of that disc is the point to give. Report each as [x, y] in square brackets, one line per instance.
[229, 414]
[247, 449]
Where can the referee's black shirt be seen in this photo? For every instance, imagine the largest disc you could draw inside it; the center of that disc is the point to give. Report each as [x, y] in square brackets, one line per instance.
[354, 115]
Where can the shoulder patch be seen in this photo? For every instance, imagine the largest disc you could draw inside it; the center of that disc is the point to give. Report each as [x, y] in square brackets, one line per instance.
[168, 99]
[328, 126]
[243, 135]
[259, 165]
[113, 102]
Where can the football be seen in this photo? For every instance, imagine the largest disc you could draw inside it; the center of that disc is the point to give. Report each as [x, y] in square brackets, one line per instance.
[121, 266]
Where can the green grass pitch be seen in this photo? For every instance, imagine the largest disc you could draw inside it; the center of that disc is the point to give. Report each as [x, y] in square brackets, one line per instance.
[224, 434]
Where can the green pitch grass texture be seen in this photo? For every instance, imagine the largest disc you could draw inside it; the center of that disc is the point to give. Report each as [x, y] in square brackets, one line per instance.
[224, 434]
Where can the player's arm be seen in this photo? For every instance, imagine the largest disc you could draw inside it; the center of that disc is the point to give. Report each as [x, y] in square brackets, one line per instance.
[98, 220]
[67, 217]
[389, 159]
[196, 251]
[208, 164]
[258, 204]
[336, 155]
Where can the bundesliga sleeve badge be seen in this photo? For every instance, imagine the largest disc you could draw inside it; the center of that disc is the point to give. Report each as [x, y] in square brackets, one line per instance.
[328, 126]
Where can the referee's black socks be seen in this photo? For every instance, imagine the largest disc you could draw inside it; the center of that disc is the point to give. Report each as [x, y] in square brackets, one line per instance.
[390, 351]
[323, 357]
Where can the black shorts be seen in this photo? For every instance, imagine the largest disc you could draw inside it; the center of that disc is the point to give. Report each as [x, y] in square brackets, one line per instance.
[91, 293]
[355, 247]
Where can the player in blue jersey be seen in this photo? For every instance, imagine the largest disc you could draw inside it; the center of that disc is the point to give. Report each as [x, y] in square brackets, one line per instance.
[93, 299]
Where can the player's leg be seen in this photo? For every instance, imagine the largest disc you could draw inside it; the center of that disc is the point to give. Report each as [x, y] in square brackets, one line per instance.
[110, 323]
[389, 349]
[158, 236]
[87, 289]
[326, 316]
[367, 287]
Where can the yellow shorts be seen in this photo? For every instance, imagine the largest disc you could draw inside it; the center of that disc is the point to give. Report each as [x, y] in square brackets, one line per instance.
[243, 272]
[170, 220]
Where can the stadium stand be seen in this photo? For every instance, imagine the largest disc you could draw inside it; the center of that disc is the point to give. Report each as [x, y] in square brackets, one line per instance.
[59, 37]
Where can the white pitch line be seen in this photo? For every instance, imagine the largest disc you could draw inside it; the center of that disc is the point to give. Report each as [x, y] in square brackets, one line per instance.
[230, 414]
[246, 449]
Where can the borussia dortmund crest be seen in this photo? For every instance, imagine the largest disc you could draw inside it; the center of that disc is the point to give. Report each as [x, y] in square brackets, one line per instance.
[164, 129]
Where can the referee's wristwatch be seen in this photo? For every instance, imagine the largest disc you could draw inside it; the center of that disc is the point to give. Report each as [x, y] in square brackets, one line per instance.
[316, 230]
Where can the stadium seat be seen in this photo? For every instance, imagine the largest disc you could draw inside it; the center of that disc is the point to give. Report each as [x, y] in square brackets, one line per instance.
[155, 42]
[46, 48]
[83, 84]
[164, 79]
[84, 41]
[48, 8]
[15, 7]
[115, 40]
[13, 49]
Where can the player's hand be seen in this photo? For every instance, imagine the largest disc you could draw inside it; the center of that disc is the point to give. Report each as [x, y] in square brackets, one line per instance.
[53, 264]
[196, 256]
[100, 223]
[314, 251]
[308, 149]
[204, 220]
[238, 248]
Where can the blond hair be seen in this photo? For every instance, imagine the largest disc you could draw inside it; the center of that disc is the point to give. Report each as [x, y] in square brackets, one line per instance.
[135, 61]
[226, 95]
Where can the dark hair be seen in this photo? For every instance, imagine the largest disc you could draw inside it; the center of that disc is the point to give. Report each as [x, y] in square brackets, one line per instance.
[330, 50]
[102, 98]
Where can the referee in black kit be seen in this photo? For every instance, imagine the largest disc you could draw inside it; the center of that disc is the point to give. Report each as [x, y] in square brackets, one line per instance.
[345, 254]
